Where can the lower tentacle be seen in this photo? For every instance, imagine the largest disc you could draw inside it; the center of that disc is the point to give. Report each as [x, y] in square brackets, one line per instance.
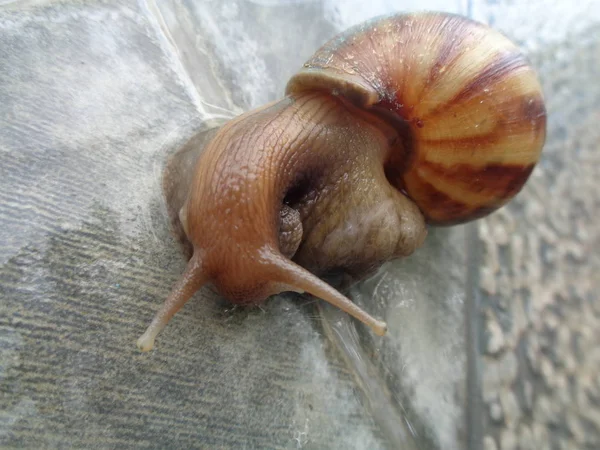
[191, 280]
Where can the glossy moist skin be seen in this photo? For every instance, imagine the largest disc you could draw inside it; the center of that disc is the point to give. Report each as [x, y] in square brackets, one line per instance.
[468, 106]
[350, 216]
[267, 188]
[177, 178]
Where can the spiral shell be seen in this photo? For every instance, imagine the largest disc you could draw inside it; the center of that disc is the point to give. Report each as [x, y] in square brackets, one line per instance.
[465, 102]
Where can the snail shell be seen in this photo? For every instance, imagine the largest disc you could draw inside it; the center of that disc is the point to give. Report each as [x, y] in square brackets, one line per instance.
[463, 97]
[400, 121]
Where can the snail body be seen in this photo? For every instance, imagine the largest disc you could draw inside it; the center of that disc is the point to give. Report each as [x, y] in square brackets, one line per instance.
[400, 122]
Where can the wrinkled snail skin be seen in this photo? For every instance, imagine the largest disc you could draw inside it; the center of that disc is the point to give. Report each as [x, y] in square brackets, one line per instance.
[401, 121]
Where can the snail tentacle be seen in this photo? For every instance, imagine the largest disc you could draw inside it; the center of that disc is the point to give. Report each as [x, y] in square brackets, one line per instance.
[192, 279]
[295, 278]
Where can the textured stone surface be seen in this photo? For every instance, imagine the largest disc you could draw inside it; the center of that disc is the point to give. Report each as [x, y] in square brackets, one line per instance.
[541, 261]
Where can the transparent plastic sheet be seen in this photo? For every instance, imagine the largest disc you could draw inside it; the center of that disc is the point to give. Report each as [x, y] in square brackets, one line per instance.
[414, 379]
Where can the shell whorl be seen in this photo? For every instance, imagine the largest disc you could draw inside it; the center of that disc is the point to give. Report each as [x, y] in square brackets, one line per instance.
[466, 103]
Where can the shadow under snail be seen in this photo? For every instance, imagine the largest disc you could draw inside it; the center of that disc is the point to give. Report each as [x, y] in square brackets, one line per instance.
[399, 122]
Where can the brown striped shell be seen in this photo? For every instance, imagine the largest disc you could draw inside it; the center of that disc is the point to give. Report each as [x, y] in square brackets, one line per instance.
[462, 96]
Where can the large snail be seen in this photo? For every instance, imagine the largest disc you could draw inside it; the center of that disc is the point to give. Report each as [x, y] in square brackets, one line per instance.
[399, 122]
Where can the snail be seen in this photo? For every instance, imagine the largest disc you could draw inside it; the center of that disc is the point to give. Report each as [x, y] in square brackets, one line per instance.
[399, 123]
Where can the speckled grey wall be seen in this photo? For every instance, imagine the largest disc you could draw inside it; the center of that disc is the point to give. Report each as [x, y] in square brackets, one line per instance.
[539, 278]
